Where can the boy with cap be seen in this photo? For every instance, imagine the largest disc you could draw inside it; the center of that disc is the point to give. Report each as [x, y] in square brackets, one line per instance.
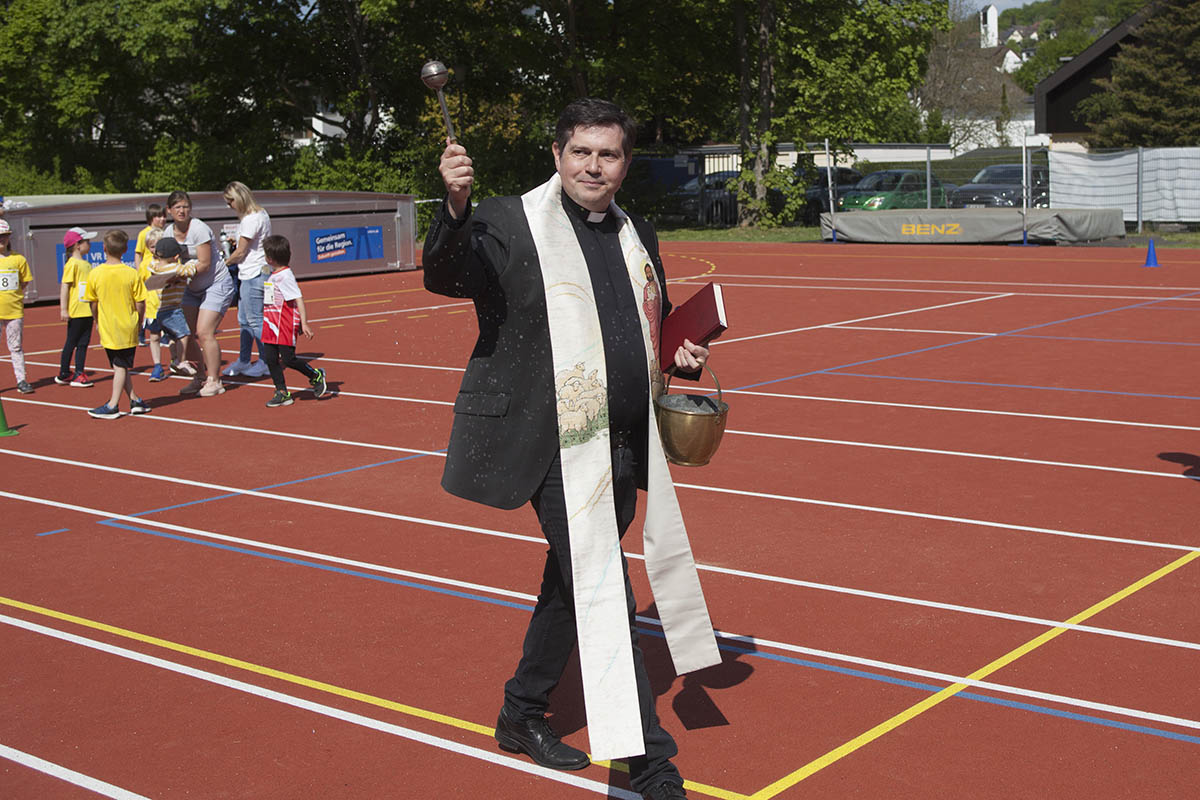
[118, 299]
[14, 276]
[73, 309]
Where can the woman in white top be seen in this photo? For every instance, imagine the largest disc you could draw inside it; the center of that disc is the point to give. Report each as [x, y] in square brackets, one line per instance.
[253, 227]
[208, 295]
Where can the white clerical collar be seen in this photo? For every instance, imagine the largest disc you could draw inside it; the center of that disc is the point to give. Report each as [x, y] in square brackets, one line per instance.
[596, 216]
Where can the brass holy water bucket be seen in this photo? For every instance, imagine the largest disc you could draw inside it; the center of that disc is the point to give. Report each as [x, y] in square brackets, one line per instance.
[690, 425]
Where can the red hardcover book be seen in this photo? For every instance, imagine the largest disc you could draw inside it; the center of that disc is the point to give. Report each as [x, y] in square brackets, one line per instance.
[699, 320]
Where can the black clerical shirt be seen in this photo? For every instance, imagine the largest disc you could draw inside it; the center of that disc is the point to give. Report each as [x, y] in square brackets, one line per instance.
[620, 320]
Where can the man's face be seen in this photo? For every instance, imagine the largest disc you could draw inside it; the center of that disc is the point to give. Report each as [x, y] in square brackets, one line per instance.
[592, 165]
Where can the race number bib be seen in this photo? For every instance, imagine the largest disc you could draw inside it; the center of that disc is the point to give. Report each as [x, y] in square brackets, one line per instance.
[10, 281]
[268, 294]
[82, 290]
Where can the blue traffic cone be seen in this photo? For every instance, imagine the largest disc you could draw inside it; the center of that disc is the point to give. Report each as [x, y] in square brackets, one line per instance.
[1151, 258]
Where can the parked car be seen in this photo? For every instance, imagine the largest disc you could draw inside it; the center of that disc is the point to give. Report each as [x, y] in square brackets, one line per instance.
[720, 204]
[816, 194]
[892, 188]
[999, 186]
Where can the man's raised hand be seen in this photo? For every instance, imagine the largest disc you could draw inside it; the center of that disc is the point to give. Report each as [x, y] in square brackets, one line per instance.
[458, 175]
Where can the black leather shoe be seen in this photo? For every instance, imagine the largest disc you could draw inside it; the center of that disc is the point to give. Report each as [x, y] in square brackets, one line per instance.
[667, 790]
[534, 738]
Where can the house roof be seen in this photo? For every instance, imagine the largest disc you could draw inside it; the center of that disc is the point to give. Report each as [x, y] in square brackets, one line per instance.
[1057, 95]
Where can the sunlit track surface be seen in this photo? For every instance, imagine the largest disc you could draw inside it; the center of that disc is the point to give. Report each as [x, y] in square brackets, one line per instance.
[948, 543]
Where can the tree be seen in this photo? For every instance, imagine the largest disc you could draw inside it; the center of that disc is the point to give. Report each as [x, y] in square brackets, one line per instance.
[962, 83]
[1152, 98]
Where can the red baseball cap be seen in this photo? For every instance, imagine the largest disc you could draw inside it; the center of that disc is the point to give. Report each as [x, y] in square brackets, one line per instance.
[75, 236]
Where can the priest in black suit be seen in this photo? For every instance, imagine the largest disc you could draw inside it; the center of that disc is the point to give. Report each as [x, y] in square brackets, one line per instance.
[506, 446]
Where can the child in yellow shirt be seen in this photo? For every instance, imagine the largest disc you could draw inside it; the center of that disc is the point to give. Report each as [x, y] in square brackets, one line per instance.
[118, 298]
[73, 309]
[14, 276]
[156, 219]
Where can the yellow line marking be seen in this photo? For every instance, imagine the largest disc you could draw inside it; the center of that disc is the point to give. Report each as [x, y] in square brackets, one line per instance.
[879, 730]
[712, 267]
[460, 311]
[230, 336]
[364, 294]
[339, 325]
[417, 316]
[320, 686]
[363, 303]
[391, 705]
[375, 321]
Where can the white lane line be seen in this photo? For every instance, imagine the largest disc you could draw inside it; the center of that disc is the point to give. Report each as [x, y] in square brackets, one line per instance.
[243, 429]
[953, 679]
[68, 775]
[912, 330]
[864, 319]
[880, 289]
[265, 496]
[266, 384]
[960, 410]
[951, 282]
[323, 359]
[983, 523]
[891, 598]
[961, 454]
[751, 641]
[327, 711]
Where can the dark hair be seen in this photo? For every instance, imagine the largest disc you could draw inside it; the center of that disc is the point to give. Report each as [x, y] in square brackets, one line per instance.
[115, 242]
[278, 249]
[154, 210]
[589, 112]
[177, 195]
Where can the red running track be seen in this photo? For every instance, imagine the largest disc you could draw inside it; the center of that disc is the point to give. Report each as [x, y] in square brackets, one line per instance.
[948, 542]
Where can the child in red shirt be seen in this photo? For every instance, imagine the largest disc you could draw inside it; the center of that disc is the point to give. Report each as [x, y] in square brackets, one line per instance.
[284, 319]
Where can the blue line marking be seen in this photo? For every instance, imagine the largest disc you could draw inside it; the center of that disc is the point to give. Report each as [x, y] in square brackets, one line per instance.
[857, 673]
[971, 340]
[1021, 386]
[60, 530]
[1106, 341]
[315, 565]
[277, 485]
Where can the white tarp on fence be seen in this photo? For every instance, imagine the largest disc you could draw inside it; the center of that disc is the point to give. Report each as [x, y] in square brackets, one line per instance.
[1168, 181]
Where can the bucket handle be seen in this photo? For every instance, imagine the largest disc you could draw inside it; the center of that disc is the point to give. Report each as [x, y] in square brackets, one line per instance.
[713, 375]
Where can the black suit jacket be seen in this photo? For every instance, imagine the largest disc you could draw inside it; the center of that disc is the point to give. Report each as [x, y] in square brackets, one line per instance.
[505, 431]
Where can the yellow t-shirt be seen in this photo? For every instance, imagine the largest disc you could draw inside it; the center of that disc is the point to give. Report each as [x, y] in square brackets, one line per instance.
[153, 298]
[116, 288]
[75, 276]
[139, 249]
[14, 274]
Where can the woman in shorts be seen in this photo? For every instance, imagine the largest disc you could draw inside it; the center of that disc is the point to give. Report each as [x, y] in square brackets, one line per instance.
[208, 296]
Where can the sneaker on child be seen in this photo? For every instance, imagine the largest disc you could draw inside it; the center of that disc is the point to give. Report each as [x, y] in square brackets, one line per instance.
[158, 374]
[194, 385]
[238, 367]
[211, 389]
[104, 412]
[24, 387]
[139, 407]
[320, 388]
[80, 380]
[63, 380]
[280, 398]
